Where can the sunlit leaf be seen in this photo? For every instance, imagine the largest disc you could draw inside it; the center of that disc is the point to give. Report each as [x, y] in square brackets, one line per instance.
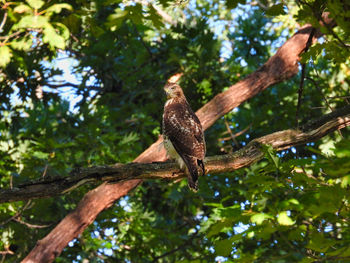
[53, 38]
[260, 218]
[37, 4]
[5, 55]
[31, 22]
[284, 219]
[22, 44]
[57, 8]
[41, 155]
[22, 9]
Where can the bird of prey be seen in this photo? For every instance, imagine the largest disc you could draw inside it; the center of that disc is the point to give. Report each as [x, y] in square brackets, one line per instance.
[183, 134]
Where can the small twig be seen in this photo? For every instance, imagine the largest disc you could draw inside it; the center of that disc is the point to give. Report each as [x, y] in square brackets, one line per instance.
[317, 108]
[339, 97]
[3, 22]
[243, 131]
[324, 97]
[30, 225]
[69, 84]
[231, 134]
[18, 213]
[320, 90]
[45, 170]
[300, 93]
[9, 36]
[62, 85]
[312, 177]
[301, 86]
[74, 38]
[236, 134]
[156, 259]
[6, 252]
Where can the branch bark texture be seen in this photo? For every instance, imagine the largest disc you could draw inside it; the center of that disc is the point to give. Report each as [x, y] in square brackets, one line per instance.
[169, 170]
[282, 66]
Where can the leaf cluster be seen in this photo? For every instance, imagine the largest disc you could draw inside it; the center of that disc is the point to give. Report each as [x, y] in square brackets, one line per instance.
[290, 207]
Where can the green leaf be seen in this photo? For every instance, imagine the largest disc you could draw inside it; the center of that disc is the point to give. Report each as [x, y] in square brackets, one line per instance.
[131, 137]
[5, 55]
[307, 260]
[343, 252]
[319, 243]
[271, 154]
[219, 227]
[22, 44]
[64, 30]
[52, 38]
[276, 10]
[260, 218]
[57, 8]
[116, 20]
[223, 247]
[72, 22]
[284, 219]
[40, 155]
[345, 181]
[22, 8]
[37, 4]
[119, 13]
[135, 13]
[32, 22]
[230, 4]
[155, 17]
[214, 204]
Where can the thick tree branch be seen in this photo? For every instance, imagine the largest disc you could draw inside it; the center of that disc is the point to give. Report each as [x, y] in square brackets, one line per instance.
[169, 170]
[282, 66]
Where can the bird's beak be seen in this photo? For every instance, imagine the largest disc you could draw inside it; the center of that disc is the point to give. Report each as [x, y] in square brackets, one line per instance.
[168, 96]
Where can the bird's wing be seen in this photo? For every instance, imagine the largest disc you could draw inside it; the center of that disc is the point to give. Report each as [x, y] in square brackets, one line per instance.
[184, 130]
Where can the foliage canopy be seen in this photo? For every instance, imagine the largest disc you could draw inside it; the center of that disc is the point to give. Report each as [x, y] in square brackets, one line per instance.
[293, 206]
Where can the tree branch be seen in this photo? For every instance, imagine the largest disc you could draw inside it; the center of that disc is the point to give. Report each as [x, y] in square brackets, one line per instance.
[169, 170]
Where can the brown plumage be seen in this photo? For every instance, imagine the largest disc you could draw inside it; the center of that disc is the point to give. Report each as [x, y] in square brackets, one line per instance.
[183, 134]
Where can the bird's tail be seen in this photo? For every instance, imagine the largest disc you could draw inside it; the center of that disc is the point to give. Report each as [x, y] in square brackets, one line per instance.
[192, 164]
[201, 165]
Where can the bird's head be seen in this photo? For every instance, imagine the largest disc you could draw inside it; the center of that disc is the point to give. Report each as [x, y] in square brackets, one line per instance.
[173, 90]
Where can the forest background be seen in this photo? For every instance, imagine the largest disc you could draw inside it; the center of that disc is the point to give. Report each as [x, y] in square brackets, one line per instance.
[270, 83]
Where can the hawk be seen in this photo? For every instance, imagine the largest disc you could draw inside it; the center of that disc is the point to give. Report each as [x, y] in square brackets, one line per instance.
[183, 134]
